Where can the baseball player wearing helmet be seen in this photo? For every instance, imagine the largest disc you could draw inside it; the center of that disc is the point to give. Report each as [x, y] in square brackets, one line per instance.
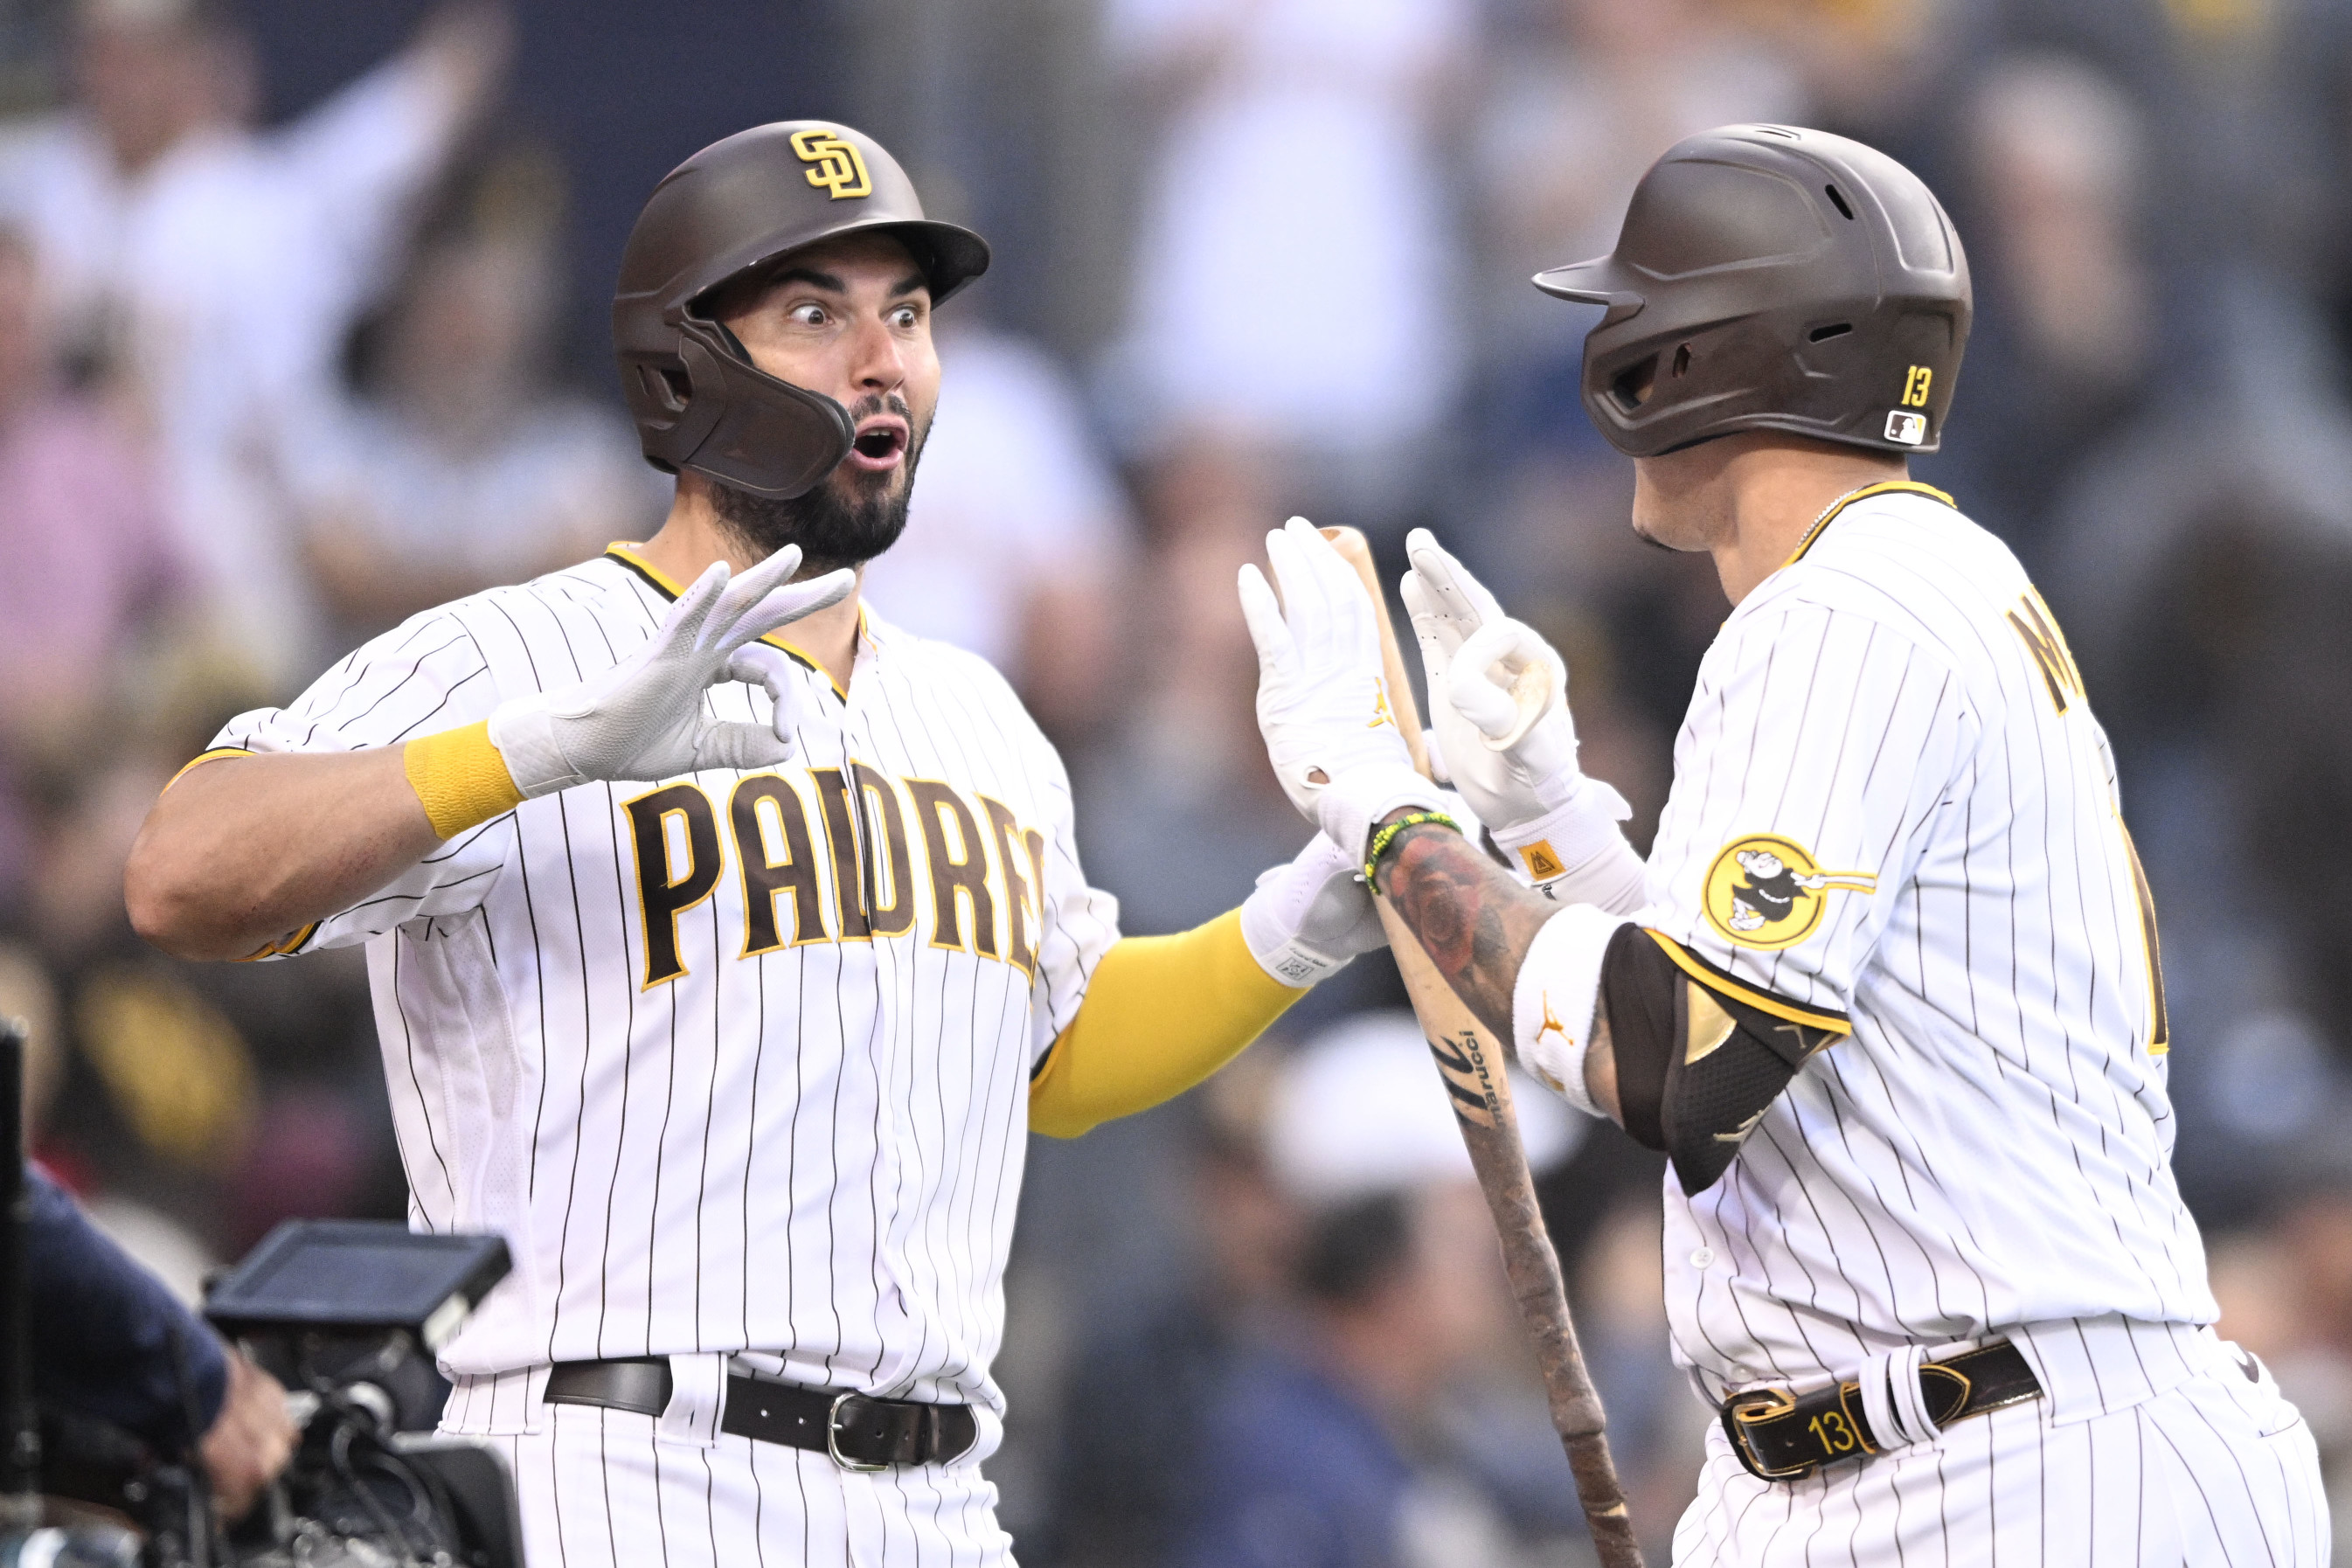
[725, 937]
[1887, 989]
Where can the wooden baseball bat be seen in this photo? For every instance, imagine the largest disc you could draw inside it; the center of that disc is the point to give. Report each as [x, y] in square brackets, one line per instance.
[1473, 1065]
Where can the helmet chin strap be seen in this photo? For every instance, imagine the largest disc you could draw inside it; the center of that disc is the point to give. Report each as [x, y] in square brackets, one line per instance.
[772, 438]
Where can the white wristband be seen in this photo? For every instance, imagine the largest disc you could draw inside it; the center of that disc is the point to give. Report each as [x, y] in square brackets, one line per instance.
[1569, 837]
[1616, 879]
[1557, 996]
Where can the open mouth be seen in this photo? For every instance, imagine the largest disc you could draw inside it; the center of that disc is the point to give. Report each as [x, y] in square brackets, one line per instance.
[880, 443]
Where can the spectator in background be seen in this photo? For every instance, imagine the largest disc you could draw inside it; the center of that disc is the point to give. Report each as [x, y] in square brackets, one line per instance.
[1871, 67]
[2202, 568]
[1184, 760]
[1572, 119]
[173, 1257]
[2285, 1292]
[1294, 280]
[1124, 1472]
[1017, 529]
[1331, 1446]
[94, 650]
[211, 271]
[1106, 1219]
[98, 668]
[463, 467]
[1657, 1424]
[93, 572]
[1196, 808]
[1573, 123]
[2065, 350]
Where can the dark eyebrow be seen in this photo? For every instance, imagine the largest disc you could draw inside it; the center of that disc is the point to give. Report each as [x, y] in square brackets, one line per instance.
[808, 275]
[909, 284]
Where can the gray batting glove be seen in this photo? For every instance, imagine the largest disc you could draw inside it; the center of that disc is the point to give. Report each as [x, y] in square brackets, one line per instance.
[644, 719]
[1309, 918]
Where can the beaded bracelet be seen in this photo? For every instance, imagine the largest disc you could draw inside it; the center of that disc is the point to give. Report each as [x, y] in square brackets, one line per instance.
[1387, 835]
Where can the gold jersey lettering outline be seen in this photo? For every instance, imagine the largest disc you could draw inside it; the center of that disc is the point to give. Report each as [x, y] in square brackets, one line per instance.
[2048, 646]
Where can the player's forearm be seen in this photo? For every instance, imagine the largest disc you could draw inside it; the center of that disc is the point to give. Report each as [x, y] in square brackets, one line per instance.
[243, 850]
[1473, 919]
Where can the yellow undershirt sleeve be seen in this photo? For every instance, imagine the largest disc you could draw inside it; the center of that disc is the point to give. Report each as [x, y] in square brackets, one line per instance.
[460, 778]
[1162, 1014]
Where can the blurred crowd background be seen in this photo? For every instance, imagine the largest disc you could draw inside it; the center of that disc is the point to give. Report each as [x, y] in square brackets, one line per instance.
[303, 328]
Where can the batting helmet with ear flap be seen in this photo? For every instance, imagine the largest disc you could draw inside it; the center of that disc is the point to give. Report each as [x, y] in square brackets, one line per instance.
[1769, 277]
[734, 208]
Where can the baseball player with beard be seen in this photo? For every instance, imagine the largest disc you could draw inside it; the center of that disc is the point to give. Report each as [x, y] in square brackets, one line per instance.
[725, 939]
[1887, 989]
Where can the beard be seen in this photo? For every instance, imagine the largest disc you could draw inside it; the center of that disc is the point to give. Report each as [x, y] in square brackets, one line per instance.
[846, 521]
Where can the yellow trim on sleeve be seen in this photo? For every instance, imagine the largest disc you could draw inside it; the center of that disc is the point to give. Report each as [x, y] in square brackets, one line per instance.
[1763, 1000]
[201, 758]
[1889, 487]
[662, 583]
[1161, 1015]
[459, 778]
[282, 946]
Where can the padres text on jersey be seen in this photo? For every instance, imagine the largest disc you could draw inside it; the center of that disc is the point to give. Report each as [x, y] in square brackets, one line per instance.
[738, 1060]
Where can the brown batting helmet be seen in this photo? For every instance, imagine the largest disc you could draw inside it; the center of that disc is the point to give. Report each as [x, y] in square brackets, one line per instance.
[1774, 278]
[732, 208]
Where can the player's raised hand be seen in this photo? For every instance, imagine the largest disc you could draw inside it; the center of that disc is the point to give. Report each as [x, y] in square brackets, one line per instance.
[1497, 706]
[1500, 710]
[1322, 705]
[645, 717]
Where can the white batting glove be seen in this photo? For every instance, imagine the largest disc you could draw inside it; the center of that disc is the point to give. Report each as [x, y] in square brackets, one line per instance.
[1518, 771]
[644, 719]
[1310, 916]
[1322, 705]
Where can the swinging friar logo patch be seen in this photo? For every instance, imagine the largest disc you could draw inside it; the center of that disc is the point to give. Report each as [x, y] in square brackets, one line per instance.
[1767, 892]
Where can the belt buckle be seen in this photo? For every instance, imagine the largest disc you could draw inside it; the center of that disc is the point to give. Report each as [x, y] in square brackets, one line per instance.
[1744, 1410]
[832, 1437]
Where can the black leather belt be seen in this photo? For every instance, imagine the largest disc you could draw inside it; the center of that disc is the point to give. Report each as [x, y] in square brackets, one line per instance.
[1785, 1437]
[860, 1432]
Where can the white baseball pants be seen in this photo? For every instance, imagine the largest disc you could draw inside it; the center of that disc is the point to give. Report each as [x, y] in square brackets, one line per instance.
[598, 1489]
[2220, 1470]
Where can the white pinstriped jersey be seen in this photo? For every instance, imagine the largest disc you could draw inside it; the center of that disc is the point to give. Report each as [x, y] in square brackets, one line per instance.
[731, 1065]
[1892, 804]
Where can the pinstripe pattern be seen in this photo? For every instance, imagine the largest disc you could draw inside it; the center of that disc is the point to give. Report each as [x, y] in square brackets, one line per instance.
[2218, 1472]
[1990, 1147]
[600, 1491]
[809, 1154]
